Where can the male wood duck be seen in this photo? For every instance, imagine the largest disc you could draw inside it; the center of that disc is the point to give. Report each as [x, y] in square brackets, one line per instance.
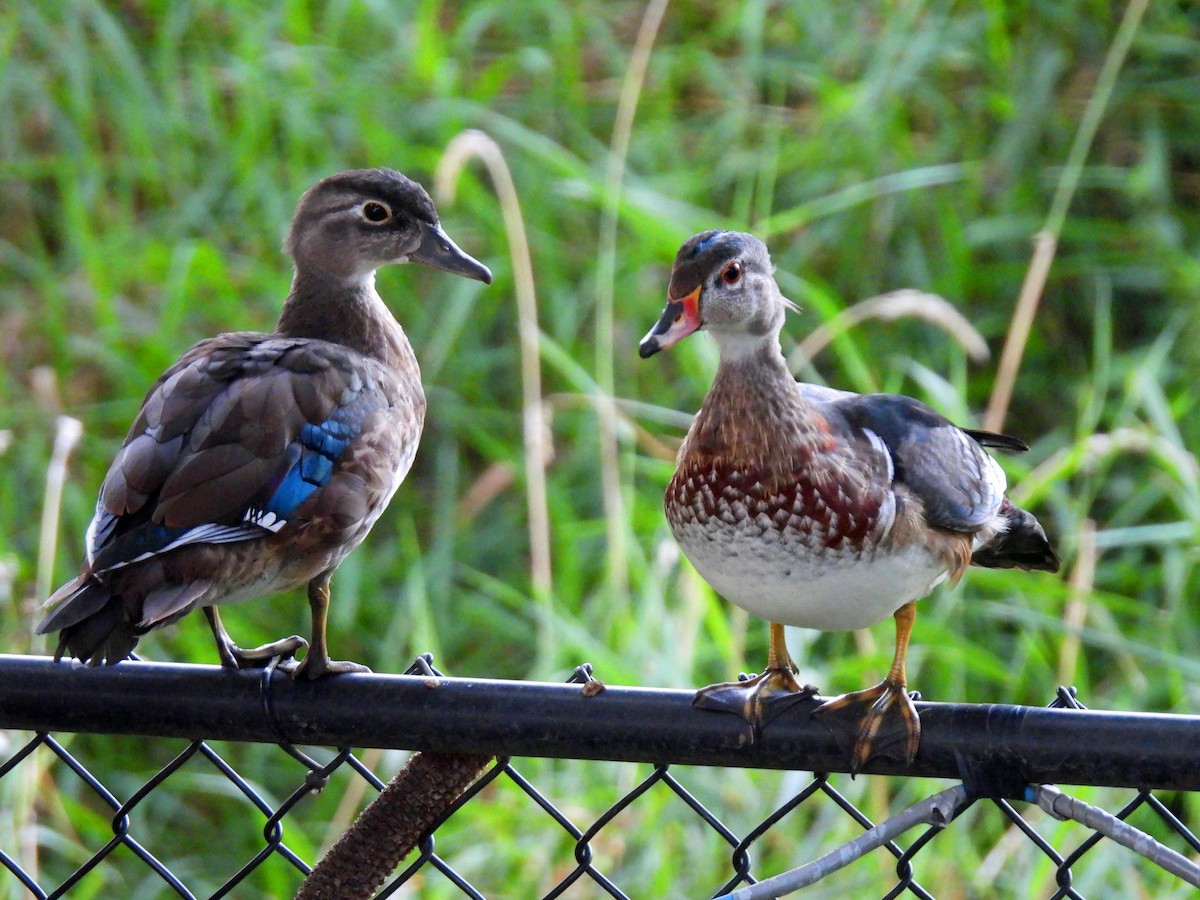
[259, 461]
[821, 508]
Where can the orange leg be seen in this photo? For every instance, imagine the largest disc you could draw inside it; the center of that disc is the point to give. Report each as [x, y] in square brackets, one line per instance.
[890, 720]
[762, 698]
[777, 651]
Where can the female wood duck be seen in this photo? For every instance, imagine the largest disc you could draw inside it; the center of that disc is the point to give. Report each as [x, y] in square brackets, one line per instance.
[821, 508]
[259, 461]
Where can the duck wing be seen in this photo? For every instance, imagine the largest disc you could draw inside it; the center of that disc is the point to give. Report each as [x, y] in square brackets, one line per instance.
[960, 485]
[232, 440]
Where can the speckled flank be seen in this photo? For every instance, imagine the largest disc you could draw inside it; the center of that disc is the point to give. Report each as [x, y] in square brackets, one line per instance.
[782, 518]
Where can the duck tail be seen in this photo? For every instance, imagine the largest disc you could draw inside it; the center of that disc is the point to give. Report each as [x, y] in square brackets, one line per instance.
[88, 616]
[1021, 545]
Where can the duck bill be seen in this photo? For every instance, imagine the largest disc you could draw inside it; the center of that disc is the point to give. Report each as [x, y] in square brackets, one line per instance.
[679, 319]
[437, 250]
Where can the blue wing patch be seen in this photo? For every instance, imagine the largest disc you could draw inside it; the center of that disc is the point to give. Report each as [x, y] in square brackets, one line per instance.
[310, 463]
[316, 449]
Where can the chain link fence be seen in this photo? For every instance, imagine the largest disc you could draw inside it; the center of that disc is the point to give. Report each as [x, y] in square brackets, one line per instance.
[215, 725]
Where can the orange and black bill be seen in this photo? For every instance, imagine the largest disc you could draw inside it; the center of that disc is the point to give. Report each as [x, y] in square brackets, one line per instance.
[679, 319]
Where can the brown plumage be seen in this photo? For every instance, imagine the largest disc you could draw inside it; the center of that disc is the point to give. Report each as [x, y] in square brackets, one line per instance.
[259, 461]
[821, 508]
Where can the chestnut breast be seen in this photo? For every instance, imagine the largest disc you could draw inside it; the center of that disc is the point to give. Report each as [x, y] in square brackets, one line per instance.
[790, 520]
[766, 462]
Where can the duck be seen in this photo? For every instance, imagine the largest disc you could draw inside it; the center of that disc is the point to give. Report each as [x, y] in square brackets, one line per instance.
[259, 461]
[821, 508]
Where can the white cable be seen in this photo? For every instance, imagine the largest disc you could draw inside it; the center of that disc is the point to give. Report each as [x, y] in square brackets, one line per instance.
[1063, 806]
[937, 810]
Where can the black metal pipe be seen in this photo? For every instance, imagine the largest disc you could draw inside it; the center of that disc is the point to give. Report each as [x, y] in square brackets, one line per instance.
[994, 748]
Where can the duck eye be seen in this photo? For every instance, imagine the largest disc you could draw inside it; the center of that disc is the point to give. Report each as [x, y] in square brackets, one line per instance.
[732, 273]
[373, 211]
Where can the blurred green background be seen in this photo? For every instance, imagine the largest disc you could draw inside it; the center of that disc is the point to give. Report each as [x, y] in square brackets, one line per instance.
[150, 159]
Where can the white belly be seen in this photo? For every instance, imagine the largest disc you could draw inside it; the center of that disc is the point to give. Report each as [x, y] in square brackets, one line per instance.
[791, 585]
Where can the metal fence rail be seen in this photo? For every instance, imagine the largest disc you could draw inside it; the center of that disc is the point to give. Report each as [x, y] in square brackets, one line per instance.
[995, 751]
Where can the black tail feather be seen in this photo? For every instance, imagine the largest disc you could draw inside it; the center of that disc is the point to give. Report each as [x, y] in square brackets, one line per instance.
[74, 602]
[1023, 545]
[91, 623]
[997, 441]
[103, 638]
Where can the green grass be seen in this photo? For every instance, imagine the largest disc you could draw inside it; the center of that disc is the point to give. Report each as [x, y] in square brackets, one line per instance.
[153, 152]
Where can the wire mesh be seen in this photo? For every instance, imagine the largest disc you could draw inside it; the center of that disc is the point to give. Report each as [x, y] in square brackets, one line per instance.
[576, 857]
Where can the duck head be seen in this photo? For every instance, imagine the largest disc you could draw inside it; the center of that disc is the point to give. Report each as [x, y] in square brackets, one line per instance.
[350, 224]
[723, 282]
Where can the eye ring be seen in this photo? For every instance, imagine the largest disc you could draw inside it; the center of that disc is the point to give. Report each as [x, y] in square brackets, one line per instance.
[375, 212]
[732, 273]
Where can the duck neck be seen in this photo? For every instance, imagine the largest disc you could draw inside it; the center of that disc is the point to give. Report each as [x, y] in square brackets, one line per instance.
[344, 311]
[752, 367]
[753, 407]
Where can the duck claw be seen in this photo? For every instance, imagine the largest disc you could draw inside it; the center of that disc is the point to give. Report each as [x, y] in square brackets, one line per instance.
[888, 727]
[759, 699]
[313, 667]
[234, 657]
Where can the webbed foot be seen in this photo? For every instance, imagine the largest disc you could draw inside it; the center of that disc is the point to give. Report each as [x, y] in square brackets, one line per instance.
[315, 666]
[759, 699]
[234, 657]
[878, 721]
